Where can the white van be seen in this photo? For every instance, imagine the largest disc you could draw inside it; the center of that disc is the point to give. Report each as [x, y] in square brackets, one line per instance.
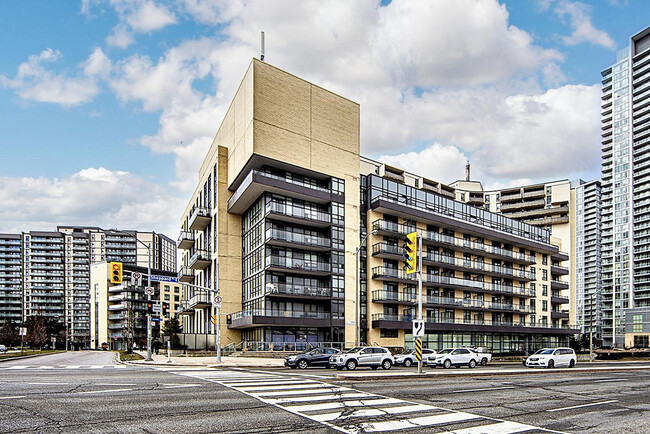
[552, 358]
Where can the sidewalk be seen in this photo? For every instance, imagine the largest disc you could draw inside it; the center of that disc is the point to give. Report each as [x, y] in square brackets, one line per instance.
[209, 361]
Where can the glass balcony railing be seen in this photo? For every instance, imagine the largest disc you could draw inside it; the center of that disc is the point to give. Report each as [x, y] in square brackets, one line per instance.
[297, 238]
[298, 264]
[298, 290]
[484, 322]
[282, 314]
[303, 213]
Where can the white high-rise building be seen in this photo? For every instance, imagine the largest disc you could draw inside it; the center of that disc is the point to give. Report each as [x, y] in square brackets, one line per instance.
[626, 185]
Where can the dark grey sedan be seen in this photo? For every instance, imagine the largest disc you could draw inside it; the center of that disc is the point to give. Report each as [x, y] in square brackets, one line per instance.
[315, 357]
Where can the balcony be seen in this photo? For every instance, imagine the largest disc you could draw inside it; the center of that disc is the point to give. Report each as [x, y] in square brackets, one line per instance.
[381, 320]
[384, 227]
[560, 256]
[558, 284]
[556, 314]
[200, 300]
[558, 299]
[560, 271]
[284, 238]
[200, 260]
[185, 240]
[522, 205]
[298, 291]
[186, 275]
[199, 219]
[279, 263]
[257, 182]
[269, 317]
[185, 309]
[391, 274]
[297, 214]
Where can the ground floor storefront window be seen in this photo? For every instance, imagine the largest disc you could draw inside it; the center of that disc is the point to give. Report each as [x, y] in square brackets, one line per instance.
[500, 343]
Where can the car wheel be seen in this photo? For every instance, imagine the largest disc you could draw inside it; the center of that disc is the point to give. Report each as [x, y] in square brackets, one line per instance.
[447, 364]
[572, 363]
[351, 365]
[484, 361]
[302, 364]
[408, 363]
[472, 364]
[386, 364]
[551, 364]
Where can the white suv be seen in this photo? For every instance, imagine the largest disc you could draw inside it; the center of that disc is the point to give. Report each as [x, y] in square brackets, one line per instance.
[454, 357]
[363, 356]
[552, 357]
[407, 358]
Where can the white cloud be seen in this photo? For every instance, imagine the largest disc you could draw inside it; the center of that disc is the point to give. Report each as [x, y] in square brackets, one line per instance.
[93, 196]
[583, 30]
[33, 81]
[134, 16]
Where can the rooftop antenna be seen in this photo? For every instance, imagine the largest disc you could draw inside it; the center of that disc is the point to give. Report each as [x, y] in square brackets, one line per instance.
[467, 171]
[262, 47]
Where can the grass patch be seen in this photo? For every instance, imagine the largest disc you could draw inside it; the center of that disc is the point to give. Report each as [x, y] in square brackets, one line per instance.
[5, 356]
[129, 357]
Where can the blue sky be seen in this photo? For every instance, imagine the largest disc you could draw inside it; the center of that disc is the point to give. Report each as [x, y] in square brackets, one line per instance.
[107, 107]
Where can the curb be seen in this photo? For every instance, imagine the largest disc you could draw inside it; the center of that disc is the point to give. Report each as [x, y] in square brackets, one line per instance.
[23, 357]
[474, 373]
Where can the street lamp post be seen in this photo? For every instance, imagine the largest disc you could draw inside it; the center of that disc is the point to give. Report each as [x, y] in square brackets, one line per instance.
[358, 297]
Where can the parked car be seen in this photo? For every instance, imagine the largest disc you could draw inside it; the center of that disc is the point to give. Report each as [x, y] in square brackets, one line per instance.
[552, 357]
[455, 357]
[374, 357]
[407, 358]
[313, 357]
[484, 354]
[3, 349]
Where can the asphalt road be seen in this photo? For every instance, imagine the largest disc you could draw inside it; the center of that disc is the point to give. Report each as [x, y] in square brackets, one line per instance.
[88, 392]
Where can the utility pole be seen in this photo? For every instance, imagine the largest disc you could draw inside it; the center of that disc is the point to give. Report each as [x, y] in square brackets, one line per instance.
[420, 297]
[148, 299]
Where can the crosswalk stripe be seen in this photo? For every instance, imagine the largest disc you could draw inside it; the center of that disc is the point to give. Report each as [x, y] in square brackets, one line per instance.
[285, 387]
[505, 427]
[72, 367]
[343, 404]
[321, 390]
[415, 422]
[319, 398]
[267, 383]
[328, 417]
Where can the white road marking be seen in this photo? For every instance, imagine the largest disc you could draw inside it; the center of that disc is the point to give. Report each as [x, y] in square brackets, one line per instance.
[415, 422]
[328, 417]
[176, 386]
[43, 384]
[583, 405]
[611, 380]
[119, 366]
[333, 405]
[266, 383]
[284, 387]
[18, 367]
[96, 367]
[104, 391]
[483, 389]
[505, 427]
[73, 367]
[330, 391]
[115, 384]
[318, 398]
[46, 367]
[13, 397]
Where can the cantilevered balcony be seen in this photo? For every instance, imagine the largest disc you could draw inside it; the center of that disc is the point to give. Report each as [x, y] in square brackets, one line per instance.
[186, 275]
[298, 291]
[279, 263]
[297, 214]
[199, 260]
[258, 182]
[200, 300]
[185, 309]
[560, 271]
[185, 240]
[199, 219]
[271, 317]
[394, 275]
[284, 238]
[558, 284]
[559, 314]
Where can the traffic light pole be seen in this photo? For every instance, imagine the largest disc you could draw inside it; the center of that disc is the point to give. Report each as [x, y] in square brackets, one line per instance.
[420, 294]
[148, 299]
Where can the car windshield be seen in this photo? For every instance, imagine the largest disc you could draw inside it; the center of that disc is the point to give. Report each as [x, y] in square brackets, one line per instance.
[545, 351]
[408, 352]
[447, 351]
[354, 350]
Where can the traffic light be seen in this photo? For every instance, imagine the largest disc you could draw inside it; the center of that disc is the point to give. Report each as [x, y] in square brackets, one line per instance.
[165, 306]
[410, 252]
[116, 272]
[228, 319]
[150, 307]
